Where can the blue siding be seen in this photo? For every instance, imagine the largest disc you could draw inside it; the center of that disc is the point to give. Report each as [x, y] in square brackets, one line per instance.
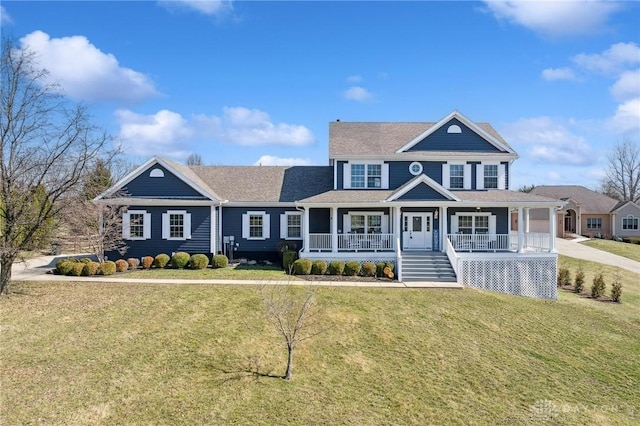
[168, 186]
[501, 213]
[340, 174]
[399, 172]
[200, 241]
[423, 192]
[468, 140]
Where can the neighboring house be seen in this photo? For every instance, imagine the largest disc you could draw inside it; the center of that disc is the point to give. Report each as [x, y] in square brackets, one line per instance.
[416, 194]
[586, 212]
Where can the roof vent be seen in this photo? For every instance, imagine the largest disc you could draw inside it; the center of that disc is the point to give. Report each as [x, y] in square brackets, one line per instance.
[454, 128]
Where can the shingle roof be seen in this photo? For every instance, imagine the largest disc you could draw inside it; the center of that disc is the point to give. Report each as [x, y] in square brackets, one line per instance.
[381, 138]
[502, 196]
[590, 201]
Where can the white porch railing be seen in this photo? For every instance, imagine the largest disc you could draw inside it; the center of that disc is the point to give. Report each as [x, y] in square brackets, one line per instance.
[352, 242]
[532, 241]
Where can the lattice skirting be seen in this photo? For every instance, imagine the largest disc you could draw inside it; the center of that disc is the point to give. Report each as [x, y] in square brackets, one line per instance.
[359, 259]
[531, 277]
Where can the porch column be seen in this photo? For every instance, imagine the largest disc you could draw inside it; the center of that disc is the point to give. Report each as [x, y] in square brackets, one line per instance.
[306, 230]
[552, 230]
[526, 227]
[520, 231]
[334, 229]
[397, 226]
[214, 237]
[444, 228]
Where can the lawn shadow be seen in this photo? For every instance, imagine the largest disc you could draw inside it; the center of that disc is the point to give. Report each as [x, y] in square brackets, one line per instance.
[249, 367]
[257, 267]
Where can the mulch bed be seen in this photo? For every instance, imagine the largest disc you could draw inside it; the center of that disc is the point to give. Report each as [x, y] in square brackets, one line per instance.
[341, 278]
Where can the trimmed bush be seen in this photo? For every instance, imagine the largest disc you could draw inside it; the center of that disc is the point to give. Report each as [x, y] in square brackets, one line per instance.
[198, 261]
[64, 267]
[85, 260]
[336, 267]
[598, 286]
[219, 261]
[319, 267]
[161, 260]
[121, 265]
[369, 269]
[564, 277]
[578, 283]
[380, 266]
[76, 269]
[302, 267]
[90, 269]
[180, 259]
[616, 289]
[147, 262]
[288, 257]
[133, 263]
[352, 268]
[107, 268]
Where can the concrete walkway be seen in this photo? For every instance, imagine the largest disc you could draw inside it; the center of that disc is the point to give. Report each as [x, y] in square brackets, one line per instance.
[573, 248]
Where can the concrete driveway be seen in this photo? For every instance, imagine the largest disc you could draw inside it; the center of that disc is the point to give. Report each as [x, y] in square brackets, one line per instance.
[573, 248]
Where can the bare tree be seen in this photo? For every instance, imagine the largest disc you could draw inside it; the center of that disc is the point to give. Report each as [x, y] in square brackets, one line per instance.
[294, 314]
[526, 188]
[623, 172]
[46, 142]
[194, 160]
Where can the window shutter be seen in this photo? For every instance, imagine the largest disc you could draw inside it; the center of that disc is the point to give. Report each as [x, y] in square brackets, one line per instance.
[346, 223]
[492, 224]
[283, 226]
[480, 176]
[165, 226]
[126, 226]
[385, 223]
[502, 176]
[266, 226]
[147, 226]
[187, 226]
[467, 176]
[245, 226]
[446, 181]
[385, 176]
[454, 224]
[346, 176]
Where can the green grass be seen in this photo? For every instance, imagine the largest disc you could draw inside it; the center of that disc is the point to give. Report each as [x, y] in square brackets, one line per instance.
[94, 353]
[628, 250]
[240, 272]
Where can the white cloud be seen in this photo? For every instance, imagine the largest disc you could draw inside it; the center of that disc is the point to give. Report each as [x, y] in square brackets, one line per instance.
[558, 74]
[550, 141]
[270, 160]
[5, 18]
[206, 7]
[357, 93]
[614, 60]
[626, 118]
[86, 73]
[354, 79]
[627, 86]
[557, 18]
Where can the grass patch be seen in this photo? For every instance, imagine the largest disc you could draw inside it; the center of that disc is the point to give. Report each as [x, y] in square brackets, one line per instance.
[241, 272]
[628, 250]
[95, 353]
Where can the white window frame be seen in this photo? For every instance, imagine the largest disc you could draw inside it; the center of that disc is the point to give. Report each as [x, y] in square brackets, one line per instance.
[384, 174]
[633, 226]
[266, 225]
[418, 170]
[384, 222]
[126, 225]
[284, 226]
[446, 175]
[166, 225]
[455, 219]
[502, 175]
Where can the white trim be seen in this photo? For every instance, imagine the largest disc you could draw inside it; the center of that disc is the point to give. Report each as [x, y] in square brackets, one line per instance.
[156, 173]
[455, 221]
[422, 179]
[417, 173]
[428, 156]
[168, 202]
[384, 220]
[347, 176]
[212, 237]
[266, 225]
[186, 225]
[126, 225]
[284, 225]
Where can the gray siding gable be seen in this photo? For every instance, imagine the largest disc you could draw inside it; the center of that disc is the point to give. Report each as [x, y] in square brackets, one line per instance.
[169, 186]
[468, 140]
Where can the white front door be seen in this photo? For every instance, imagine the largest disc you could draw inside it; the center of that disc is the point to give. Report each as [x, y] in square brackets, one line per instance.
[416, 231]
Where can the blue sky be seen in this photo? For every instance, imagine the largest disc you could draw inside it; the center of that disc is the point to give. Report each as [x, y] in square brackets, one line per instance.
[258, 82]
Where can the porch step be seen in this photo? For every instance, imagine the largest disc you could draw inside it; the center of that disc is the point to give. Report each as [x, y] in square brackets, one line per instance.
[426, 266]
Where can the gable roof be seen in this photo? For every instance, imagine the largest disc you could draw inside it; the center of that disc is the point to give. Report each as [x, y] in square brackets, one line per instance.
[623, 204]
[422, 180]
[590, 201]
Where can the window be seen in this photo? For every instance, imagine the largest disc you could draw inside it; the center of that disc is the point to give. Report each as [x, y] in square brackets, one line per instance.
[366, 175]
[256, 226]
[374, 175]
[594, 223]
[374, 224]
[136, 225]
[629, 223]
[176, 225]
[156, 173]
[478, 223]
[415, 168]
[357, 176]
[456, 176]
[365, 223]
[491, 176]
[291, 226]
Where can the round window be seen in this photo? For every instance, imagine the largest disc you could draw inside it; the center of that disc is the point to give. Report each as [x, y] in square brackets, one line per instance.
[415, 168]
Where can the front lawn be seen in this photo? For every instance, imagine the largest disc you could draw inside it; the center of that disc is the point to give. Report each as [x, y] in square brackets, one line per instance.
[628, 250]
[96, 353]
[240, 272]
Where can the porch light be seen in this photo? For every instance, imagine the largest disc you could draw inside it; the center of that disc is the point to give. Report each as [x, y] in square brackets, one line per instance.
[435, 214]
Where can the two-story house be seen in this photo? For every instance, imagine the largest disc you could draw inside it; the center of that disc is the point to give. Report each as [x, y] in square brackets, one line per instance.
[411, 193]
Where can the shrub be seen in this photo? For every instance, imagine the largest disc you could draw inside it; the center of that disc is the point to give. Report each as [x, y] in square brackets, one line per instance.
[302, 267]
[380, 266]
[90, 268]
[161, 260]
[180, 259]
[64, 267]
[288, 257]
[76, 269]
[219, 261]
[107, 268]
[319, 267]
[388, 272]
[121, 265]
[147, 262]
[616, 289]
[369, 269]
[85, 260]
[598, 286]
[578, 285]
[564, 277]
[336, 267]
[352, 268]
[133, 263]
[198, 261]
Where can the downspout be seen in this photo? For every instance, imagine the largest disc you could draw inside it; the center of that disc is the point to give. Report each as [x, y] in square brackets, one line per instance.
[305, 230]
[220, 236]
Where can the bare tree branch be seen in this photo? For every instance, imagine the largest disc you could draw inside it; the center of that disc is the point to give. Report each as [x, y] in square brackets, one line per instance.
[623, 173]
